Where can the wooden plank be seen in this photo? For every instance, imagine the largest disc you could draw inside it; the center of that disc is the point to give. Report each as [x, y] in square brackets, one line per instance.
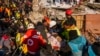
[79, 20]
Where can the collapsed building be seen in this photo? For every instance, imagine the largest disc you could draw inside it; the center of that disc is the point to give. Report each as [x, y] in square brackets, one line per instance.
[87, 18]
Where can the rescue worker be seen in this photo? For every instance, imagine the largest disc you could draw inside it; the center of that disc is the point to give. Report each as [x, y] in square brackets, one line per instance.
[1, 9]
[68, 23]
[52, 26]
[69, 17]
[6, 41]
[70, 32]
[33, 40]
[41, 28]
[7, 12]
[70, 28]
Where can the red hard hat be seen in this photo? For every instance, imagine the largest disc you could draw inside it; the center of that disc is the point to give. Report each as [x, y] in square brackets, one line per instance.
[68, 12]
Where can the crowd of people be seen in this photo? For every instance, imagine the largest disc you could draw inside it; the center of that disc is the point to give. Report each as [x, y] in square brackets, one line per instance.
[51, 37]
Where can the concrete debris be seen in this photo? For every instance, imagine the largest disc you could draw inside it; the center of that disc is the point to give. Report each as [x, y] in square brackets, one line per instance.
[57, 9]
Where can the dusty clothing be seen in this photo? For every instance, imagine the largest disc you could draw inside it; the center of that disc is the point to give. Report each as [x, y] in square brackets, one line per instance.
[41, 28]
[71, 20]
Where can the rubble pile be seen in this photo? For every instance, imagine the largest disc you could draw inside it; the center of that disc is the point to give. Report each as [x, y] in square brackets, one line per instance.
[94, 6]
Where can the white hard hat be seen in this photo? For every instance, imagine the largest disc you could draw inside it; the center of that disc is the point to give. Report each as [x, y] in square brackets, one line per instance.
[13, 17]
[52, 23]
[30, 26]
